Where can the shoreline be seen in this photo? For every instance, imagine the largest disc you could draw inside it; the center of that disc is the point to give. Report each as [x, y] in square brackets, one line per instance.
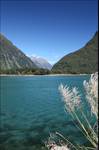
[25, 75]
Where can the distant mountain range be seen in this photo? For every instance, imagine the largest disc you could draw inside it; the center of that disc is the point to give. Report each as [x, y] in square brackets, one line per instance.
[84, 60]
[41, 62]
[11, 57]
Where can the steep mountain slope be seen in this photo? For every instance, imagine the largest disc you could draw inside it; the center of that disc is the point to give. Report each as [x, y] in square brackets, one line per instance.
[85, 60]
[41, 62]
[11, 57]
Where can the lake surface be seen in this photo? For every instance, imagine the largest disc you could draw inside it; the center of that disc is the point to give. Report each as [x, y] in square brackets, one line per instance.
[32, 108]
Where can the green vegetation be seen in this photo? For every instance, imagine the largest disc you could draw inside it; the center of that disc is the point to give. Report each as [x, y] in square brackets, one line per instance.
[13, 61]
[82, 61]
[11, 58]
[26, 71]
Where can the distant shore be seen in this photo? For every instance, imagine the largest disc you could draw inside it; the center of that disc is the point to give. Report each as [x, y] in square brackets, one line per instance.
[43, 75]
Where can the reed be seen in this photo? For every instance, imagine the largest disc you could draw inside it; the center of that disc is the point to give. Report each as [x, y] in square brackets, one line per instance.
[73, 104]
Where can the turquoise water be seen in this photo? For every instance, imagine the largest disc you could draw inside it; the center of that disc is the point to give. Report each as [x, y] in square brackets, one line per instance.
[32, 108]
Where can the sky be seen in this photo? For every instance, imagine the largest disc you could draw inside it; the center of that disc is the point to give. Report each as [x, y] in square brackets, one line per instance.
[49, 28]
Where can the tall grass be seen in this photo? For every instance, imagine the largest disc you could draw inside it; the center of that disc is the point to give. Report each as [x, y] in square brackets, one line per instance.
[72, 100]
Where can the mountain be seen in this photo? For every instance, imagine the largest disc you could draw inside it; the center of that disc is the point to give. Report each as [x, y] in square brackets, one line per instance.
[85, 60]
[41, 62]
[11, 57]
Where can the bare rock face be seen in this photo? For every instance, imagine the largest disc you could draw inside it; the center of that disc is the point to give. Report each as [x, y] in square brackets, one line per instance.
[41, 62]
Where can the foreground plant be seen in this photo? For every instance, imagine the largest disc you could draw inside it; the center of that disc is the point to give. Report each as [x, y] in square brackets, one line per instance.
[73, 104]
